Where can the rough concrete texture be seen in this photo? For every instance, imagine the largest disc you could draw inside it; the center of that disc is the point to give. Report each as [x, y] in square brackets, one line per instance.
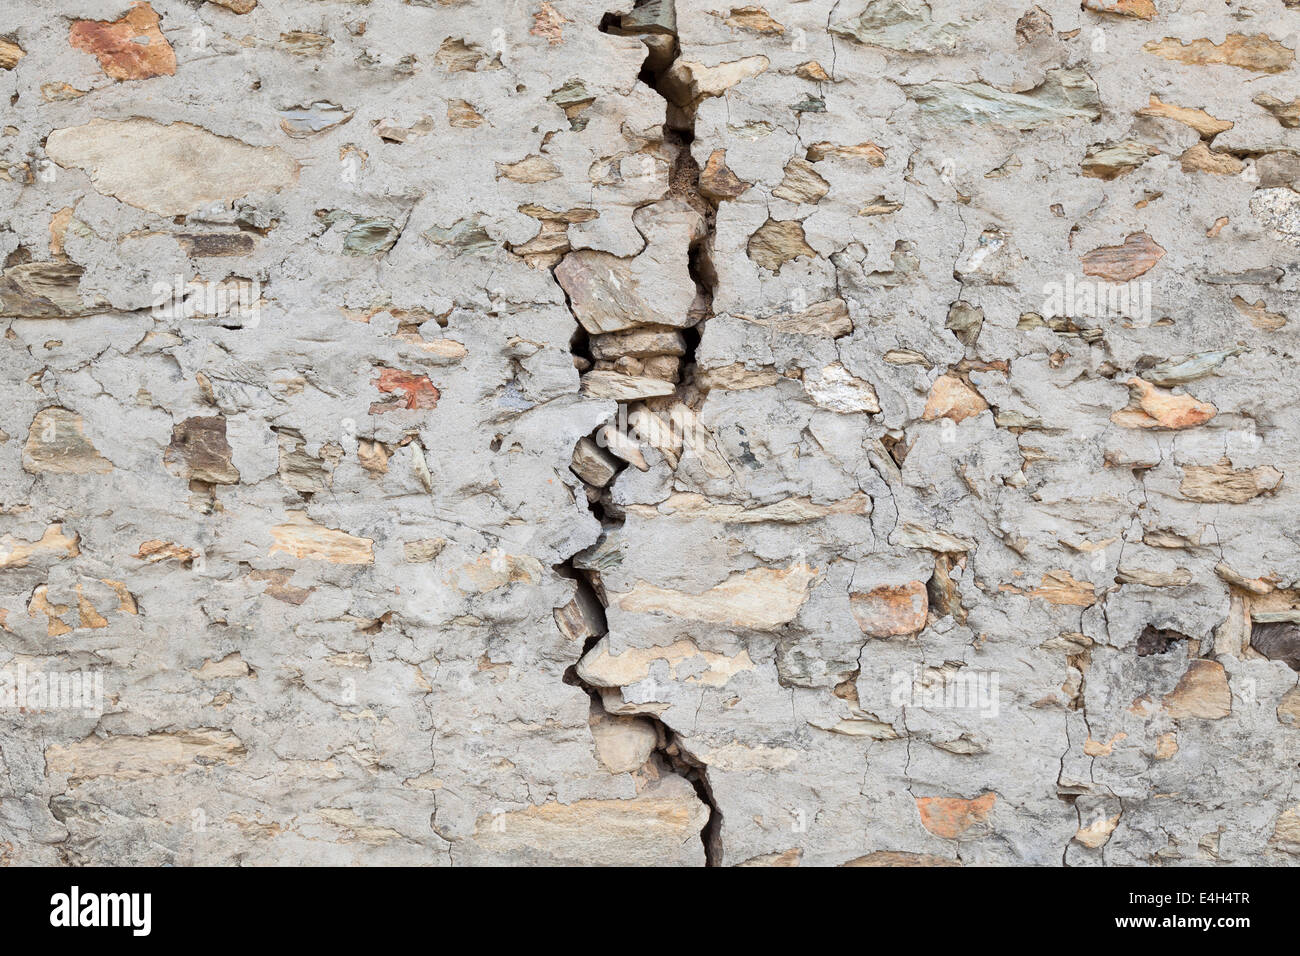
[558, 431]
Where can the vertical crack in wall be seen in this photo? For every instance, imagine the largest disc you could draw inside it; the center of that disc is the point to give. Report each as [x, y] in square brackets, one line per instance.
[654, 22]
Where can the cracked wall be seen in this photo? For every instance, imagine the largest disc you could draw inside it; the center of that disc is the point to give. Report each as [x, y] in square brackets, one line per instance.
[597, 432]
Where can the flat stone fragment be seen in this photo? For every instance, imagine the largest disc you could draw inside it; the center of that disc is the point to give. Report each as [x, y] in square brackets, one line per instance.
[38, 290]
[1111, 162]
[169, 170]
[801, 184]
[736, 377]
[658, 827]
[950, 397]
[1136, 256]
[717, 182]
[762, 599]
[687, 82]
[57, 445]
[199, 451]
[1286, 113]
[1221, 483]
[601, 668]
[788, 511]
[900, 25]
[609, 294]
[1138, 9]
[624, 388]
[10, 54]
[1201, 159]
[124, 757]
[623, 744]
[1202, 693]
[777, 242]
[1259, 53]
[1195, 117]
[835, 388]
[951, 817]
[829, 318]
[1156, 408]
[637, 343]
[303, 538]
[893, 858]
[891, 610]
[1063, 96]
[593, 464]
[132, 48]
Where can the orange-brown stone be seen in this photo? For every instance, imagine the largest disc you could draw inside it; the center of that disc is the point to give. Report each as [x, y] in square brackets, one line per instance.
[132, 48]
[950, 817]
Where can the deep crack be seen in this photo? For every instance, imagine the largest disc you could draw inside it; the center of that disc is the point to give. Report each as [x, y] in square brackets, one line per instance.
[599, 470]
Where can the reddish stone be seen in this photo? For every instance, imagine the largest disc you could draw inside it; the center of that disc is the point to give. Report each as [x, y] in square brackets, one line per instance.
[1125, 262]
[889, 611]
[418, 391]
[132, 48]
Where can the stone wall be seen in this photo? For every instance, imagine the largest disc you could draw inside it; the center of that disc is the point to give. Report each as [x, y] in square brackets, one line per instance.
[557, 431]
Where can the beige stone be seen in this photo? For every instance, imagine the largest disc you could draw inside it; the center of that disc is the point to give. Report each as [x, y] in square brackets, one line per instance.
[169, 170]
[951, 397]
[16, 553]
[687, 81]
[1225, 484]
[624, 388]
[1201, 159]
[153, 755]
[497, 570]
[600, 668]
[1286, 113]
[10, 54]
[801, 183]
[691, 506]
[1198, 119]
[57, 445]
[623, 744]
[1286, 829]
[1138, 9]
[592, 463]
[829, 318]
[762, 599]
[1259, 53]
[1202, 693]
[303, 538]
[531, 169]
[736, 377]
[658, 827]
[777, 242]
[892, 858]
[1097, 833]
